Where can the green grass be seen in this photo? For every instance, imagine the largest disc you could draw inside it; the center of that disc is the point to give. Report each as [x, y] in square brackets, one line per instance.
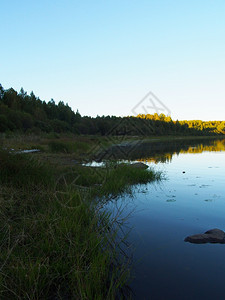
[51, 249]
[55, 241]
[111, 179]
[120, 178]
[20, 170]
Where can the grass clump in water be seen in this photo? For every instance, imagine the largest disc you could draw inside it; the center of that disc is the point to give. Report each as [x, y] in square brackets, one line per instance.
[116, 178]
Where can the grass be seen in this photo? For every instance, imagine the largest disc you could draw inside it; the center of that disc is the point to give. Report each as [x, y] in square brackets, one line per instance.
[67, 146]
[55, 241]
[119, 178]
[21, 170]
[52, 251]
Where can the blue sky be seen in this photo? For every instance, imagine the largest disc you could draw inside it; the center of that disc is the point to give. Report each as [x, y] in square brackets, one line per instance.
[103, 57]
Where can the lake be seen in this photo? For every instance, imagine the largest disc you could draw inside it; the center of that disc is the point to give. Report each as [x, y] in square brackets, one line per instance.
[190, 200]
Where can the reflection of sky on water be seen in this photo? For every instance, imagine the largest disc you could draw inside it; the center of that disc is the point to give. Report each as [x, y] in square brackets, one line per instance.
[185, 203]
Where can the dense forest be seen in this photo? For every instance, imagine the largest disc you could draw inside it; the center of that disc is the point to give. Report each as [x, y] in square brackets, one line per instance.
[20, 112]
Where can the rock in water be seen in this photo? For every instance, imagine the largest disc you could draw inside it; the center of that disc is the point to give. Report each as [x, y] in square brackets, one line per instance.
[139, 165]
[211, 236]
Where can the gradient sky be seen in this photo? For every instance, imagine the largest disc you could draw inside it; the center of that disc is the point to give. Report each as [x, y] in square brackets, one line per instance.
[103, 57]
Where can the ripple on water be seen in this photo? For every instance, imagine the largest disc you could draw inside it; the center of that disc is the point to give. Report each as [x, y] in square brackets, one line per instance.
[171, 200]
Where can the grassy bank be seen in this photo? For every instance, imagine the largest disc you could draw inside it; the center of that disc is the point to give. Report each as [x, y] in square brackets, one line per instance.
[61, 149]
[54, 236]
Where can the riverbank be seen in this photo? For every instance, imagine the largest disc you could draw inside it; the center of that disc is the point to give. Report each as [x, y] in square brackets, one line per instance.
[67, 149]
[56, 239]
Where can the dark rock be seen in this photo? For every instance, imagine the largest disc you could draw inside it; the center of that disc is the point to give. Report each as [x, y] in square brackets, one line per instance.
[210, 236]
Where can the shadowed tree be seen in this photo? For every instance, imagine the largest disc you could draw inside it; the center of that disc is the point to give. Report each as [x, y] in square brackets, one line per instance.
[1, 92]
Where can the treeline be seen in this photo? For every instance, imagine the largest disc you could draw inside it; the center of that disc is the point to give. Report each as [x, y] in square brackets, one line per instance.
[27, 113]
[23, 112]
[199, 126]
[217, 127]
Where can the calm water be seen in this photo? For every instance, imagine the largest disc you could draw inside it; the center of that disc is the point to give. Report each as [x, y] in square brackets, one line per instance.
[165, 267]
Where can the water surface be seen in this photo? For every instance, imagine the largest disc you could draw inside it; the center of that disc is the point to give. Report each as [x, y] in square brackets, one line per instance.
[191, 200]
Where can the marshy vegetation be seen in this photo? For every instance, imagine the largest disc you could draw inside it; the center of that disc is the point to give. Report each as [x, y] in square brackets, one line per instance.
[57, 241]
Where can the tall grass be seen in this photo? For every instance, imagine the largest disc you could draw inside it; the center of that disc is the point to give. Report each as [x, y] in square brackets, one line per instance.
[113, 179]
[20, 170]
[67, 146]
[52, 245]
